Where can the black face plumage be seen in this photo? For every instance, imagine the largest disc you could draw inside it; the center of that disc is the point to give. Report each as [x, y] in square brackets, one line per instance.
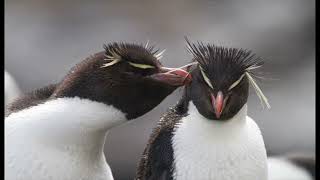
[220, 85]
[127, 76]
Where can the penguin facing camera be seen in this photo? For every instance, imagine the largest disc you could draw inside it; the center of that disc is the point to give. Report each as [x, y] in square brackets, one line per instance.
[208, 134]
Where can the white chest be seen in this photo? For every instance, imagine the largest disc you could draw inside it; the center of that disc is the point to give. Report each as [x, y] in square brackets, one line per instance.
[34, 162]
[60, 140]
[231, 150]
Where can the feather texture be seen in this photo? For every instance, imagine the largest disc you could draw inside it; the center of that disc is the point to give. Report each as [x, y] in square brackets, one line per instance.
[260, 94]
[136, 53]
[226, 66]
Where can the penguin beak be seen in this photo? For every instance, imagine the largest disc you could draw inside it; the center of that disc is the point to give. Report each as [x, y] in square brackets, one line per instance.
[217, 103]
[173, 76]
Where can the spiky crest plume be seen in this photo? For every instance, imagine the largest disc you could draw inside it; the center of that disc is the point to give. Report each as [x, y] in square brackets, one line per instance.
[116, 52]
[227, 64]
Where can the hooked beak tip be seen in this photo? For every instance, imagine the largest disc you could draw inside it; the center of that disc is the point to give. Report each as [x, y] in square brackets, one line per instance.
[173, 76]
[217, 103]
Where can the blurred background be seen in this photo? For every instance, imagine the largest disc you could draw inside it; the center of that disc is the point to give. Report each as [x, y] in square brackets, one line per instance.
[45, 38]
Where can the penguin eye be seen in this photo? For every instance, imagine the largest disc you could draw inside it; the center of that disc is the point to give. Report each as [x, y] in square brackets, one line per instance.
[141, 66]
[236, 82]
[205, 77]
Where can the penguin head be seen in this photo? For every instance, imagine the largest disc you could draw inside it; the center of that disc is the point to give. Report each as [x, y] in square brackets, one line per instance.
[220, 85]
[127, 76]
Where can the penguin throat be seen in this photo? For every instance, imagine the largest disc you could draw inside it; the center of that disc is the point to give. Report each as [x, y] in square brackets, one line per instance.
[205, 149]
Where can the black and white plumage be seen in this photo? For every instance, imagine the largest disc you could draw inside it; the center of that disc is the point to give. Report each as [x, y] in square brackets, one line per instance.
[58, 132]
[208, 134]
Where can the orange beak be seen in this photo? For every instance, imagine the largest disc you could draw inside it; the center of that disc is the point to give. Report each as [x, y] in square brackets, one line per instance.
[217, 103]
[173, 76]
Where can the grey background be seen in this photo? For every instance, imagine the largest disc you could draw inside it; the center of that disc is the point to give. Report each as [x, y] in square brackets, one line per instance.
[45, 38]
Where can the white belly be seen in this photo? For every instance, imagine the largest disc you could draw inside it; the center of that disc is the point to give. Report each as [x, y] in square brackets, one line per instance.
[61, 139]
[30, 161]
[231, 150]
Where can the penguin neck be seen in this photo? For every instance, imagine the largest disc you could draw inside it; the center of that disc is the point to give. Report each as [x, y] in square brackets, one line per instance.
[218, 127]
[67, 122]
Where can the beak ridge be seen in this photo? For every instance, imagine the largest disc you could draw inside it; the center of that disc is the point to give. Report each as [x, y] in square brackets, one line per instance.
[173, 76]
[217, 103]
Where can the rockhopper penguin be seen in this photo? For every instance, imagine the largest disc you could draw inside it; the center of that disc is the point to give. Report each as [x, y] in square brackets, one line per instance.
[58, 132]
[208, 135]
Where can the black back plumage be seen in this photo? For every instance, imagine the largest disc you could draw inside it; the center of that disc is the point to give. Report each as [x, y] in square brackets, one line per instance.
[156, 162]
[30, 99]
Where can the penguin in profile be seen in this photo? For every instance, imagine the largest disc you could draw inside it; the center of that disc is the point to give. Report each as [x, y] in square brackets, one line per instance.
[208, 134]
[58, 131]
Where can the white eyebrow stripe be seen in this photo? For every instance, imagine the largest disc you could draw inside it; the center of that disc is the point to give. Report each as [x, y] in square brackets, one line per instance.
[205, 77]
[236, 82]
[142, 66]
